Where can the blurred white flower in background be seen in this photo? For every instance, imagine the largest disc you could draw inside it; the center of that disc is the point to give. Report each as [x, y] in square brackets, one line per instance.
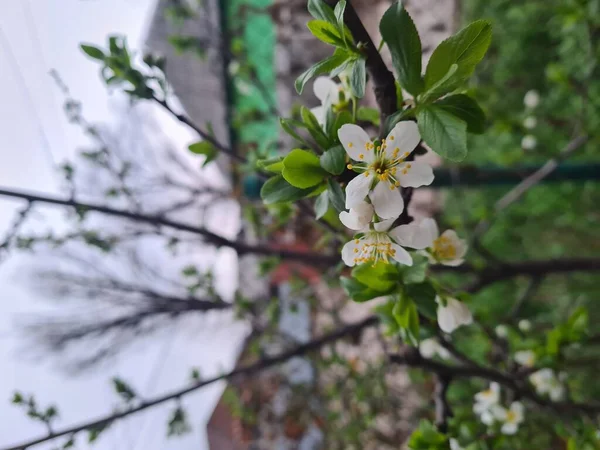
[501, 331]
[546, 382]
[431, 347]
[525, 357]
[510, 418]
[531, 99]
[528, 142]
[485, 401]
[524, 325]
[453, 314]
[530, 122]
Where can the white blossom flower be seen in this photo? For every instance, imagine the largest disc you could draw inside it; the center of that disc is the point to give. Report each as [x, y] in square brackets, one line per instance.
[531, 99]
[431, 347]
[510, 418]
[454, 445]
[528, 142]
[530, 122]
[330, 93]
[382, 167]
[377, 244]
[453, 314]
[447, 249]
[545, 382]
[484, 400]
[524, 325]
[525, 358]
[359, 217]
[501, 331]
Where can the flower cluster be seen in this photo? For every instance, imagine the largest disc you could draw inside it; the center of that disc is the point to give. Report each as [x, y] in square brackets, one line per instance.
[374, 202]
[330, 93]
[487, 406]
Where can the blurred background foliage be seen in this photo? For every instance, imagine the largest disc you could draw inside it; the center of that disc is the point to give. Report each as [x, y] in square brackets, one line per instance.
[550, 46]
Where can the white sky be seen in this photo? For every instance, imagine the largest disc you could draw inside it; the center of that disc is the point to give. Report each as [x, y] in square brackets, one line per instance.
[36, 36]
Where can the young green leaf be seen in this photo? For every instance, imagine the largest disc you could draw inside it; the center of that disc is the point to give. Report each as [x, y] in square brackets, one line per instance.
[415, 273]
[204, 148]
[321, 205]
[401, 36]
[358, 77]
[423, 294]
[93, 52]
[368, 115]
[326, 32]
[277, 190]
[445, 133]
[338, 11]
[381, 276]
[334, 160]
[465, 108]
[336, 195]
[271, 164]
[341, 119]
[286, 124]
[321, 11]
[326, 65]
[314, 127]
[357, 291]
[466, 49]
[302, 169]
[407, 317]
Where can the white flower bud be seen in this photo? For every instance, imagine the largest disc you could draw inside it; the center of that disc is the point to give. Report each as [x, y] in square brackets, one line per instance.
[501, 331]
[524, 325]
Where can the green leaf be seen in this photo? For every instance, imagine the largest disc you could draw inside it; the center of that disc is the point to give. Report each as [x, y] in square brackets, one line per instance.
[337, 197]
[326, 32]
[407, 317]
[321, 11]
[381, 276]
[314, 127]
[93, 52]
[271, 164]
[286, 124]
[423, 294]
[357, 291]
[302, 169]
[415, 273]
[324, 66]
[465, 108]
[123, 389]
[401, 36]
[341, 119]
[427, 437]
[443, 85]
[466, 49]
[204, 148]
[368, 115]
[277, 190]
[445, 133]
[358, 77]
[321, 205]
[334, 160]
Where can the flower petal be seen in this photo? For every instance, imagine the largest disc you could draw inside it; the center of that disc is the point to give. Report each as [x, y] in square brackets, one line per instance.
[355, 140]
[453, 315]
[430, 229]
[415, 174]
[386, 200]
[401, 255]
[348, 253]
[518, 409]
[319, 113]
[509, 428]
[359, 217]
[325, 89]
[414, 235]
[403, 234]
[357, 189]
[384, 225]
[405, 136]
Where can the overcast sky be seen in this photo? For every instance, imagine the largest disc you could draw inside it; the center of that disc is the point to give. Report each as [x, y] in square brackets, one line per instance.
[36, 36]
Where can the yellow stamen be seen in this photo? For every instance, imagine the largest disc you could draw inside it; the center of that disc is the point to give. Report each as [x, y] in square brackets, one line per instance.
[361, 156]
[350, 145]
[349, 166]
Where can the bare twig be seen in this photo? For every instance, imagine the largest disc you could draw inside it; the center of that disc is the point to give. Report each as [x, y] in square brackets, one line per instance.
[210, 237]
[241, 372]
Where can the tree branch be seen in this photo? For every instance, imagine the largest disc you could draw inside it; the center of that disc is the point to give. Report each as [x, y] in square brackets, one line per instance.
[384, 84]
[412, 358]
[241, 372]
[240, 247]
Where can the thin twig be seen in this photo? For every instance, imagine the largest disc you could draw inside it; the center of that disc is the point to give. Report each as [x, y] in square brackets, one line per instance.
[241, 372]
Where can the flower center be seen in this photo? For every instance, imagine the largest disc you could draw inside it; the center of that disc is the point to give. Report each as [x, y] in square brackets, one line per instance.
[443, 248]
[375, 246]
[511, 417]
